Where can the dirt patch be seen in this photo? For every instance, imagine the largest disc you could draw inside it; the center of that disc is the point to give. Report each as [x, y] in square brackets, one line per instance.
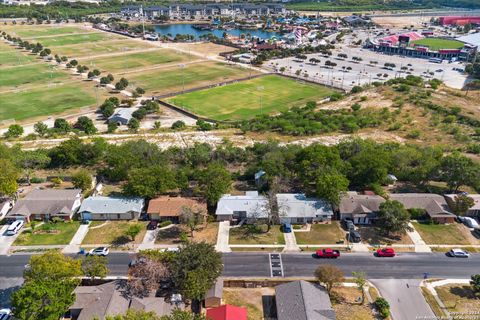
[373, 236]
[347, 304]
[260, 302]
[203, 48]
[399, 22]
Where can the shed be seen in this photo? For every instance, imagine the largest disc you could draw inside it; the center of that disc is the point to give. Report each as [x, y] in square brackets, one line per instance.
[121, 116]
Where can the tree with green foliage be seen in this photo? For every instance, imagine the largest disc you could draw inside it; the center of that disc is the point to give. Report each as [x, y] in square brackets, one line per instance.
[195, 270]
[360, 280]
[86, 125]
[133, 314]
[383, 307]
[47, 291]
[178, 314]
[461, 204]
[134, 124]
[458, 170]
[94, 266]
[150, 182]
[8, 178]
[62, 126]
[32, 160]
[329, 275]
[214, 181]
[330, 186]
[40, 128]
[178, 125]
[133, 230]
[192, 217]
[112, 127]
[392, 217]
[82, 179]
[475, 283]
[14, 131]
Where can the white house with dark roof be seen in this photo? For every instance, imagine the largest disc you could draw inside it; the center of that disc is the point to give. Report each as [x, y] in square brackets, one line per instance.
[248, 206]
[298, 208]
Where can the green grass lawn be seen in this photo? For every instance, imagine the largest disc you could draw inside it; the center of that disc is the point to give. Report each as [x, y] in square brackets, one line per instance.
[14, 58]
[49, 234]
[44, 101]
[441, 233]
[135, 60]
[246, 99]
[321, 234]
[112, 233]
[41, 31]
[75, 39]
[436, 44]
[100, 47]
[193, 75]
[35, 73]
[250, 234]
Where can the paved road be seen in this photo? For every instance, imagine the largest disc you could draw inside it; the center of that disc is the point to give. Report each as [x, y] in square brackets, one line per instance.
[240, 264]
[405, 298]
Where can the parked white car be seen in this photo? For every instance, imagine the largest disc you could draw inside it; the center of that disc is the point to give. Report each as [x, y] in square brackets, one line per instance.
[15, 227]
[100, 251]
[458, 253]
[5, 314]
[470, 222]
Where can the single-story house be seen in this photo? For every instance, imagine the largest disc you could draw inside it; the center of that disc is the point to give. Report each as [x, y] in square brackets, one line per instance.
[227, 312]
[122, 116]
[170, 208]
[5, 205]
[298, 208]
[213, 297]
[111, 208]
[360, 208]
[46, 204]
[302, 300]
[249, 206]
[434, 205]
[109, 299]
[473, 211]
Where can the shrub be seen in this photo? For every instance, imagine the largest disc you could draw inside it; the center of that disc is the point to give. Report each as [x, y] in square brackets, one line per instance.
[414, 134]
[178, 125]
[37, 180]
[416, 214]
[164, 223]
[383, 307]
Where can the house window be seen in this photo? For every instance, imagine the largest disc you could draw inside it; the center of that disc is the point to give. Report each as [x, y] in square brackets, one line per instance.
[118, 216]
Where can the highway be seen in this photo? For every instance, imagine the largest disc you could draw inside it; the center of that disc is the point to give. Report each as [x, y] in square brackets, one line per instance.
[246, 264]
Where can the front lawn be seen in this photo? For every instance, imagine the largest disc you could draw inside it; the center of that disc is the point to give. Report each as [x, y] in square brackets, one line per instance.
[113, 232]
[459, 298]
[344, 301]
[442, 233]
[260, 302]
[321, 234]
[172, 235]
[48, 234]
[253, 234]
[374, 236]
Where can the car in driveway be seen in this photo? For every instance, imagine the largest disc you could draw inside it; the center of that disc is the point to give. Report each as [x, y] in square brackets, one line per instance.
[354, 236]
[152, 225]
[385, 252]
[348, 224]
[327, 253]
[100, 251]
[458, 253]
[286, 227]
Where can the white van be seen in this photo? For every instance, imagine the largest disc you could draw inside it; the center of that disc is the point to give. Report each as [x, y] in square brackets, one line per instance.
[14, 227]
[470, 222]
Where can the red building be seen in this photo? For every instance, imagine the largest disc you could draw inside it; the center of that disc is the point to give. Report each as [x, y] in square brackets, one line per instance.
[457, 20]
[227, 312]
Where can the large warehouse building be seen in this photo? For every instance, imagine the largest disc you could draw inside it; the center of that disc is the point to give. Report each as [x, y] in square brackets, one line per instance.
[458, 21]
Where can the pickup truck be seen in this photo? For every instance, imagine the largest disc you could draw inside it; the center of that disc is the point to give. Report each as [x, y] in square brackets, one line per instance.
[327, 253]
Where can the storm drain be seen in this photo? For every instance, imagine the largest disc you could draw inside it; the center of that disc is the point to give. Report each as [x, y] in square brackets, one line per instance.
[276, 267]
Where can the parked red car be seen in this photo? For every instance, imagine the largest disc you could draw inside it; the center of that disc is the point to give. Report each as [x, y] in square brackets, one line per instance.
[386, 252]
[327, 253]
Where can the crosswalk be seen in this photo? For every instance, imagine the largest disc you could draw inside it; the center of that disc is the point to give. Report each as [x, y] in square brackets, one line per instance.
[276, 266]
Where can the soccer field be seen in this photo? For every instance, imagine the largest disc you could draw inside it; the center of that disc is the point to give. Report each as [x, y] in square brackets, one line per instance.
[30, 74]
[14, 58]
[41, 31]
[45, 101]
[74, 39]
[169, 80]
[100, 47]
[437, 44]
[130, 61]
[246, 99]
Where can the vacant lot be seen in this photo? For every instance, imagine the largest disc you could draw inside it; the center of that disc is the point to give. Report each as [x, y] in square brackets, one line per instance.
[246, 99]
[251, 234]
[112, 232]
[459, 298]
[75, 39]
[42, 31]
[321, 234]
[436, 44]
[120, 63]
[443, 233]
[346, 305]
[260, 302]
[35, 73]
[44, 101]
[100, 48]
[374, 236]
[49, 234]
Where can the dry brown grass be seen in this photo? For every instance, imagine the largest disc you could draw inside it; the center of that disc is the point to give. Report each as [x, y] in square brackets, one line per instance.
[373, 236]
[347, 307]
[458, 298]
[259, 301]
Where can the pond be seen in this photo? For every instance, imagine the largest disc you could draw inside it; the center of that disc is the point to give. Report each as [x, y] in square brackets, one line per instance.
[175, 29]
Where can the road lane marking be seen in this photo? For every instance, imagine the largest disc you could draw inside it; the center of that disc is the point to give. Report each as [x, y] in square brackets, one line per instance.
[276, 266]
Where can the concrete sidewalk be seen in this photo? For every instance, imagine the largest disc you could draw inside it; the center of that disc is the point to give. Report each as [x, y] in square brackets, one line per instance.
[75, 243]
[290, 242]
[223, 237]
[420, 245]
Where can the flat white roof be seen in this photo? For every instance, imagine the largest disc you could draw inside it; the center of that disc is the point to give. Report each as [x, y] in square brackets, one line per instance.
[294, 205]
[252, 203]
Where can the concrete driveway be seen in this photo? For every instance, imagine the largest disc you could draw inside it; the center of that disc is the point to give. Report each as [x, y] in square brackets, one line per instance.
[6, 241]
[405, 298]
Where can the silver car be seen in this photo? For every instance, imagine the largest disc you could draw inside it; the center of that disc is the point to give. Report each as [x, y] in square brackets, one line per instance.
[458, 253]
[100, 251]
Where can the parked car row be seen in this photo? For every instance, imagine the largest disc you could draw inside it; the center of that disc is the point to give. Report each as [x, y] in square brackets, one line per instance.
[329, 253]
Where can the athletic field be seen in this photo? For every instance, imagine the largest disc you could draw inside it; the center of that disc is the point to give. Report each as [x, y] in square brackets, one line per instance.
[39, 73]
[14, 58]
[244, 100]
[437, 44]
[42, 31]
[64, 40]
